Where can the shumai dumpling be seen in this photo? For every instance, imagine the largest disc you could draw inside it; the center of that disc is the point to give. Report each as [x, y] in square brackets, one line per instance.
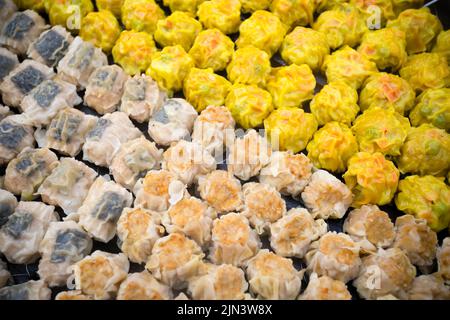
[188, 160]
[21, 235]
[233, 240]
[442, 44]
[66, 132]
[64, 244]
[249, 6]
[81, 59]
[375, 10]
[72, 295]
[141, 15]
[8, 8]
[402, 5]
[386, 47]
[180, 28]
[114, 6]
[325, 288]
[141, 97]
[263, 30]
[290, 129]
[224, 15]
[175, 259]
[100, 274]
[191, 217]
[22, 79]
[104, 140]
[172, 122]
[381, 130]
[51, 46]
[223, 282]
[429, 287]
[137, 230]
[426, 198]
[67, 185]
[248, 155]
[420, 28]
[305, 46]
[20, 30]
[212, 49]
[332, 146]
[336, 101]
[169, 67]
[30, 290]
[426, 71]
[8, 61]
[289, 173]
[348, 65]
[143, 286]
[249, 105]
[105, 88]
[443, 259]
[203, 88]
[101, 209]
[133, 51]
[221, 190]
[426, 150]
[293, 233]
[62, 12]
[158, 190]
[5, 276]
[294, 12]
[290, 86]
[386, 272]
[372, 179]
[385, 90]
[25, 173]
[189, 6]
[133, 160]
[342, 25]
[334, 255]
[370, 227]
[8, 204]
[326, 196]
[14, 137]
[249, 65]
[433, 106]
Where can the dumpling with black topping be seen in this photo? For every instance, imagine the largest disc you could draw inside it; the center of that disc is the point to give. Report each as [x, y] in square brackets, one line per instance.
[143, 286]
[21, 235]
[64, 244]
[14, 137]
[7, 9]
[31, 290]
[8, 204]
[8, 61]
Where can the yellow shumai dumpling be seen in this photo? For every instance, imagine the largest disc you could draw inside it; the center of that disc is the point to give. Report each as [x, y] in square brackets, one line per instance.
[101, 29]
[433, 106]
[372, 178]
[249, 105]
[426, 71]
[263, 30]
[115, 6]
[212, 49]
[36, 5]
[203, 88]
[367, 7]
[343, 25]
[254, 5]
[294, 12]
[420, 28]
[426, 151]
[381, 130]
[348, 65]
[305, 46]
[402, 5]
[290, 86]
[61, 12]
[224, 15]
[183, 5]
[385, 47]
[133, 51]
[386, 91]
[337, 101]
[178, 28]
[249, 65]
[170, 67]
[442, 44]
[141, 15]
[427, 198]
[332, 146]
[324, 5]
[290, 128]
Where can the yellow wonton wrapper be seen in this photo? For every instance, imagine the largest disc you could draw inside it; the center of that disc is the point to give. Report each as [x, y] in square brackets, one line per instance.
[224, 15]
[249, 65]
[101, 29]
[141, 15]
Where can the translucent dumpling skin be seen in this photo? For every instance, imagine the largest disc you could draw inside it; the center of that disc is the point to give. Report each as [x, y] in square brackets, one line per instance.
[427, 198]
[433, 106]
[101, 29]
[294, 12]
[442, 45]
[426, 151]
[141, 15]
[64, 12]
[332, 146]
[372, 179]
[290, 128]
[249, 65]
[224, 15]
[291, 85]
